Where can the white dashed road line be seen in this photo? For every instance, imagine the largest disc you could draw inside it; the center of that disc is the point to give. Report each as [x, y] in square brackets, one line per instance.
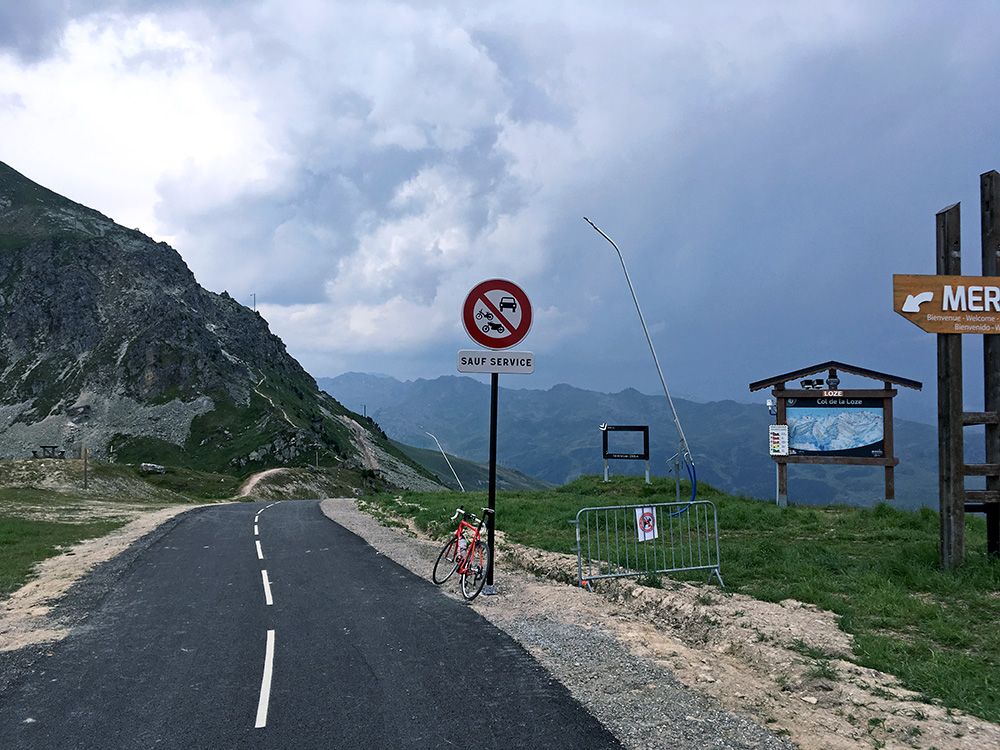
[265, 683]
[267, 588]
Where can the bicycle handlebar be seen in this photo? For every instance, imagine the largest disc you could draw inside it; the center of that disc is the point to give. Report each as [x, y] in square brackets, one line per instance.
[461, 511]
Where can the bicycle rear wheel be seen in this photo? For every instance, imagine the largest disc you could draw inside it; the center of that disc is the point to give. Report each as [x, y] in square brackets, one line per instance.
[474, 576]
[446, 563]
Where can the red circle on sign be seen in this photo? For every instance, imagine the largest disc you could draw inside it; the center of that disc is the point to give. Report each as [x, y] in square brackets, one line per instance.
[647, 522]
[497, 314]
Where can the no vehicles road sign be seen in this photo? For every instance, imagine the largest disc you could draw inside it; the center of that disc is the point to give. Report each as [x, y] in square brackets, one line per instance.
[497, 314]
[645, 524]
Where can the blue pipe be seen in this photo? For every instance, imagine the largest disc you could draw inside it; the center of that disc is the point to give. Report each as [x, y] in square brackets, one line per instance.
[693, 476]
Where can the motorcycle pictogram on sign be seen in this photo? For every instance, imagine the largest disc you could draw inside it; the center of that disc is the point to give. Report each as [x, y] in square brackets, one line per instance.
[497, 314]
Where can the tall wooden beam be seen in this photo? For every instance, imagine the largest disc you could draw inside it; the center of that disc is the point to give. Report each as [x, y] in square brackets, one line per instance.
[951, 460]
[890, 446]
[989, 192]
[782, 489]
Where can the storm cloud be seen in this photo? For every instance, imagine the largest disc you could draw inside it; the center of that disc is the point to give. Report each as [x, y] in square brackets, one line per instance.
[357, 167]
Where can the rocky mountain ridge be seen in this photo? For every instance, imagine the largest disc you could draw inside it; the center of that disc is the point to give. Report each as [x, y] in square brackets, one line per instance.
[108, 341]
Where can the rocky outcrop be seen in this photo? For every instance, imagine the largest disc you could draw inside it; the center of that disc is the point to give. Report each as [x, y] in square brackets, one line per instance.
[107, 340]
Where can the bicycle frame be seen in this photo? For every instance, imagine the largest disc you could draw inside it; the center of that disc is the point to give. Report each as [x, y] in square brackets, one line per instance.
[465, 553]
[463, 526]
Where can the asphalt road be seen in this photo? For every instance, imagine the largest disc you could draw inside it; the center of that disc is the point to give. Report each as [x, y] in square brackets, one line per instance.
[270, 626]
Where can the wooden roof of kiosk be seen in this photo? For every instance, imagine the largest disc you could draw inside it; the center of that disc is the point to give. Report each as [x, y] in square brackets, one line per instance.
[778, 381]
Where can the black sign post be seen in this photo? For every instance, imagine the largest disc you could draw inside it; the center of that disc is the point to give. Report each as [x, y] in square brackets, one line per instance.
[494, 393]
[496, 315]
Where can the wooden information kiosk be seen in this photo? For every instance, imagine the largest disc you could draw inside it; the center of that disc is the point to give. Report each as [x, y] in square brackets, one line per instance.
[831, 426]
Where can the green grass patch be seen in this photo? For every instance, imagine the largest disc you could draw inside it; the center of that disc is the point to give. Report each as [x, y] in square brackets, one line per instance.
[197, 485]
[138, 449]
[877, 568]
[28, 488]
[23, 543]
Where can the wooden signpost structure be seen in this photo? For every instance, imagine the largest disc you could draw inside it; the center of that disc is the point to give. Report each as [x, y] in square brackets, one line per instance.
[817, 396]
[951, 305]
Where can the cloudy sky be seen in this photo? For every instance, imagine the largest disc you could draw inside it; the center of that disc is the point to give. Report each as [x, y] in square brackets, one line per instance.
[359, 167]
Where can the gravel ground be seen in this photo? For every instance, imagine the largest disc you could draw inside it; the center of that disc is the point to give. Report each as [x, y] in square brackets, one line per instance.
[684, 666]
[641, 702]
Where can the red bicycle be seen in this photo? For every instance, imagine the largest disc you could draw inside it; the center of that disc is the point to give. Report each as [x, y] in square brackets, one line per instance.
[469, 556]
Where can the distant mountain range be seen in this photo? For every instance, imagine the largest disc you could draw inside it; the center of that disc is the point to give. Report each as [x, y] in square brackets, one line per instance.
[469, 476]
[555, 436]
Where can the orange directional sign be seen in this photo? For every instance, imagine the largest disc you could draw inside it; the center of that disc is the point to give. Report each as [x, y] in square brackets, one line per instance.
[949, 304]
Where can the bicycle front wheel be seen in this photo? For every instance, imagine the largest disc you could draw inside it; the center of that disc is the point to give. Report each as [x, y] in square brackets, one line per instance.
[446, 563]
[474, 575]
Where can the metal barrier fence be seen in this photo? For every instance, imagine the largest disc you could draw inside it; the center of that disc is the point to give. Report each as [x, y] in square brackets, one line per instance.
[632, 540]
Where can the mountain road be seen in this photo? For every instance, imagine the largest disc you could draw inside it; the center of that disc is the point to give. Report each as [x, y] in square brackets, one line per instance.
[260, 625]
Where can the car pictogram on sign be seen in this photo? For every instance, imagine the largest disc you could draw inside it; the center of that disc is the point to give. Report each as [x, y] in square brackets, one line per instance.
[497, 314]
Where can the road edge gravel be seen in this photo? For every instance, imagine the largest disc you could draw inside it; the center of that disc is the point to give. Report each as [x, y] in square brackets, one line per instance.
[639, 701]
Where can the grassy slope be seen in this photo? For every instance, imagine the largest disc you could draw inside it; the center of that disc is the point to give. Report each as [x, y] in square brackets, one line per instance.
[23, 543]
[877, 568]
[44, 507]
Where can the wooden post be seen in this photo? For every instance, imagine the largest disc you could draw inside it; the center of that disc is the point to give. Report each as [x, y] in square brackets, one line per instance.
[889, 442]
[782, 498]
[951, 459]
[989, 192]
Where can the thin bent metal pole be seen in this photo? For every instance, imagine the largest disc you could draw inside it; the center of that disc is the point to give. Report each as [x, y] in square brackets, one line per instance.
[449, 462]
[677, 423]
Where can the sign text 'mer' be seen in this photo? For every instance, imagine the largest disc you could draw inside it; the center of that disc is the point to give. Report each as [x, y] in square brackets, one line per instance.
[971, 298]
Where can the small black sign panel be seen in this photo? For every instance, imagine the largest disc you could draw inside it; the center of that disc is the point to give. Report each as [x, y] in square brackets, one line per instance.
[644, 429]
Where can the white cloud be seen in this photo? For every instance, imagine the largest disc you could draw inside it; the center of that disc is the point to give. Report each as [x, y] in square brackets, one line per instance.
[393, 325]
[124, 104]
[361, 165]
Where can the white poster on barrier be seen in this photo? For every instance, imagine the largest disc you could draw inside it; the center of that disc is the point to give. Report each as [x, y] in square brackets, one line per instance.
[645, 524]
